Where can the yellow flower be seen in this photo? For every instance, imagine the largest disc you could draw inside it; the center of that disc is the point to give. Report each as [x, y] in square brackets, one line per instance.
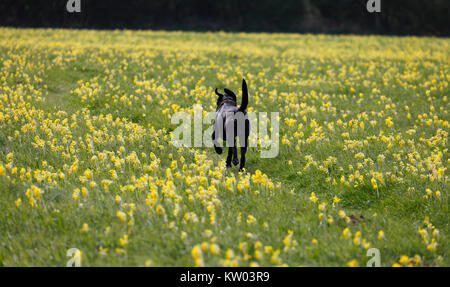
[205, 246]
[275, 259]
[352, 263]
[258, 254]
[373, 181]
[432, 247]
[251, 219]
[121, 215]
[330, 219]
[103, 251]
[322, 206]
[197, 255]
[84, 191]
[124, 240]
[380, 235]
[229, 254]
[403, 259]
[88, 173]
[76, 194]
[9, 157]
[336, 200]
[346, 232]
[389, 122]
[84, 228]
[357, 238]
[313, 197]
[214, 249]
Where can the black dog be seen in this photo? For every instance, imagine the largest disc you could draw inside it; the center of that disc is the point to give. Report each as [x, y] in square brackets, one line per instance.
[231, 121]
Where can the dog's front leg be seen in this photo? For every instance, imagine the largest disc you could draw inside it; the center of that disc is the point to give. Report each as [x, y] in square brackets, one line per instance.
[235, 156]
[232, 152]
[243, 152]
[229, 156]
[216, 143]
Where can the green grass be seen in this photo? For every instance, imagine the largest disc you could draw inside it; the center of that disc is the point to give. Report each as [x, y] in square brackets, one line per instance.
[328, 84]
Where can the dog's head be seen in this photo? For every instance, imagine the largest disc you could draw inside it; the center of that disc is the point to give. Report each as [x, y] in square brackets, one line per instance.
[229, 98]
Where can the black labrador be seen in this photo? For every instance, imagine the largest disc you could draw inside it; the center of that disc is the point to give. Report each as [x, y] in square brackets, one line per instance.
[231, 121]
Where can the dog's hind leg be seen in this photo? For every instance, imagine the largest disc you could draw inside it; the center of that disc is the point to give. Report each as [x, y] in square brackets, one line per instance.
[243, 152]
[229, 156]
[232, 152]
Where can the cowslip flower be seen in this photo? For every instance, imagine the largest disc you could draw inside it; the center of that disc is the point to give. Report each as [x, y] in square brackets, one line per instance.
[121, 215]
[352, 263]
[214, 249]
[197, 255]
[76, 194]
[313, 197]
[346, 233]
[380, 235]
[84, 228]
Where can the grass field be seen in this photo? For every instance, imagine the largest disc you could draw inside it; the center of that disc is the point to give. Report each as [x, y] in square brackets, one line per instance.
[86, 160]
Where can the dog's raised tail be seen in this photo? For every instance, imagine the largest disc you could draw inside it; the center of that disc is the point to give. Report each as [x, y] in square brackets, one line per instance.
[244, 103]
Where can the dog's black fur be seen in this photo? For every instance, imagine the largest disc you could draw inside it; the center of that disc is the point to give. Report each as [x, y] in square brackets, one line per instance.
[231, 118]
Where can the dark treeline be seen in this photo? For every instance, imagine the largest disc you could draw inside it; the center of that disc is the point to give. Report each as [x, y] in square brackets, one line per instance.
[401, 17]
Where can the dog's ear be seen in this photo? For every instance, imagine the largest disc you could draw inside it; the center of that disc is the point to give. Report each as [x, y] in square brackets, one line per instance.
[220, 98]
